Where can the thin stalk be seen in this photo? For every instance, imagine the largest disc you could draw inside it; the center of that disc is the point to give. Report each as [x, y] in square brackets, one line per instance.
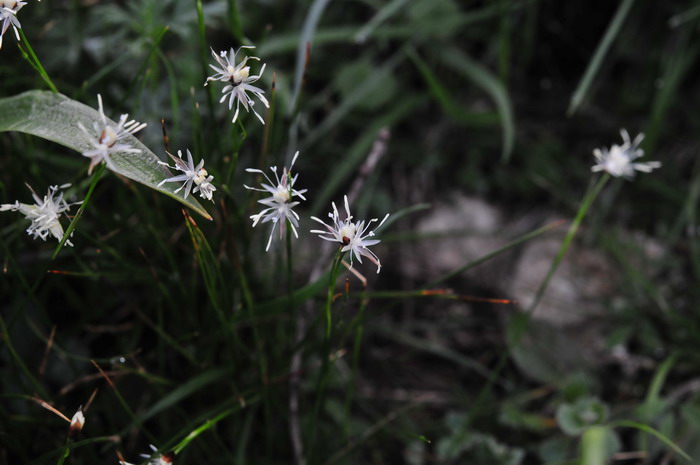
[18, 360]
[573, 229]
[34, 61]
[95, 178]
[203, 51]
[234, 20]
[325, 355]
[586, 203]
[66, 452]
[290, 276]
[331, 293]
[357, 344]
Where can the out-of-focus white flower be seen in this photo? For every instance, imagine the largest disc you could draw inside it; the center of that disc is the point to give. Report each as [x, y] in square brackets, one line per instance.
[279, 205]
[155, 458]
[8, 16]
[106, 137]
[45, 214]
[239, 81]
[191, 174]
[76, 423]
[353, 236]
[619, 159]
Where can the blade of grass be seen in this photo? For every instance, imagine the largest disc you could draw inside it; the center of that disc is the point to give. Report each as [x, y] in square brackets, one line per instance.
[305, 38]
[599, 55]
[353, 99]
[357, 153]
[447, 101]
[382, 15]
[485, 80]
[193, 385]
[34, 61]
[234, 20]
[74, 222]
[648, 429]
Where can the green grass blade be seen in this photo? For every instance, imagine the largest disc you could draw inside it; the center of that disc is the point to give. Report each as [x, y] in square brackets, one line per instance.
[307, 34]
[382, 15]
[195, 384]
[95, 179]
[357, 153]
[442, 95]
[484, 79]
[594, 65]
[648, 429]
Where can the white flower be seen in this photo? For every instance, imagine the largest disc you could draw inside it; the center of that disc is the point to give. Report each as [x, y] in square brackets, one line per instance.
[76, 423]
[618, 161]
[351, 235]
[279, 204]
[155, 458]
[8, 16]
[106, 138]
[192, 174]
[45, 214]
[239, 81]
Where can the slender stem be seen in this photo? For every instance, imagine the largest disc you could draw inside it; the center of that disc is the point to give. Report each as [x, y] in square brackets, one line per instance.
[290, 277]
[573, 229]
[65, 453]
[95, 178]
[234, 20]
[18, 360]
[517, 334]
[331, 293]
[322, 382]
[34, 61]
[201, 28]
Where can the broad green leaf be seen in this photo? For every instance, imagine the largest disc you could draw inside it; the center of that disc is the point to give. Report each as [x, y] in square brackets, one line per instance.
[55, 117]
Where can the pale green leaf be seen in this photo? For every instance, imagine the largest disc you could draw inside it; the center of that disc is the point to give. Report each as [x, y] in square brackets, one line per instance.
[55, 117]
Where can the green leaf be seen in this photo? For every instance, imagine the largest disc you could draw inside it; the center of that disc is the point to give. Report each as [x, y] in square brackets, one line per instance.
[574, 418]
[55, 117]
[481, 77]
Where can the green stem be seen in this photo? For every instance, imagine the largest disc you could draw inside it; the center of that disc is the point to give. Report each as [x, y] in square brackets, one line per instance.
[573, 229]
[66, 452]
[18, 360]
[290, 276]
[586, 203]
[234, 20]
[34, 61]
[95, 178]
[331, 293]
[205, 55]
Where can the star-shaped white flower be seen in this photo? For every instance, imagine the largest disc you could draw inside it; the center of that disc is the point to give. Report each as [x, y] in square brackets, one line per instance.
[8, 16]
[279, 205]
[239, 81]
[155, 458]
[191, 174]
[353, 236]
[106, 137]
[619, 159]
[45, 214]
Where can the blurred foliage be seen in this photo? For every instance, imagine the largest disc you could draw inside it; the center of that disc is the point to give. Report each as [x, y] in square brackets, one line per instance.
[191, 320]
